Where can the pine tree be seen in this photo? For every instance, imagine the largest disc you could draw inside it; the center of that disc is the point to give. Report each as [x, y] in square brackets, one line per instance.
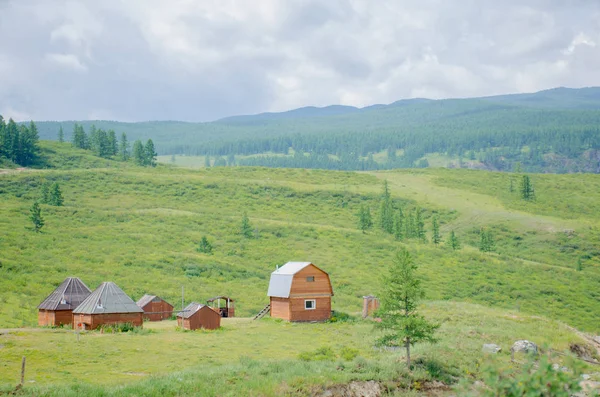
[207, 161]
[94, 143]
[112, 143]
[435, 226]
[36, 216]
[2, 137]
[205, 246]
[102, 144]
[56, 197]
[124, 147]
[45, 193]
[399, 225]
[453, 242]
[61, 135]
[401, 323]
[364, 218]
[150, 154]
[139, 156]
[386, 210]
[409, 226]
[80, 139]
[527, 192]
[246, 228]
[419, 225]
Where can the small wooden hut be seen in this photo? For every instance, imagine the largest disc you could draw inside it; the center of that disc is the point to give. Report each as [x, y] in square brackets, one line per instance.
[222, 304]
[196, 316]
[155, 308]
[108, 304]
[300, 291]
[370, 305]
[57, 308]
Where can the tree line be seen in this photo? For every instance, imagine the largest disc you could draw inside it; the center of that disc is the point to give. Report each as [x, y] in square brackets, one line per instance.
[19, 142]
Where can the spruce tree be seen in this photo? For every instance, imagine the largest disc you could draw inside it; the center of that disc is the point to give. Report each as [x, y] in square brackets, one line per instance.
[56, 197]
[139, 156]
[113, 148]
[386, 210]
[409, 226]
[205, 246]
[150, 154]
[452, 241]
[399, 225]
[124, 148]
[2, 136]
[364, 218]
[36, 216]
[94, 141]
[246, 228]
[102, 144]
[419, 225]
[527, 192]
[435, 226]
[401, 323]
[45, 193]
[61, 135]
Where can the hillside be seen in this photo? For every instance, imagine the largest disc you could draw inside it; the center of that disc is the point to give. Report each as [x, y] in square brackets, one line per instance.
[140, 227]
[549, 131]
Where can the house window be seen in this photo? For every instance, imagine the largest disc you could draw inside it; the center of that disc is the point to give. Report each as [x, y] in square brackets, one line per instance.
[310, 279]
[310, 304]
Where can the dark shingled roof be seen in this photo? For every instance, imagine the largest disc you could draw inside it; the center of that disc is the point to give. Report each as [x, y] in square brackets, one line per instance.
[191, 309]
[108, 298]
[69, 294]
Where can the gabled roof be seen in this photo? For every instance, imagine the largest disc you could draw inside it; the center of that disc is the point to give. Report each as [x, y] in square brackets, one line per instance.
[191, 309]
[67, 296]
[108, 298]
[281, 279]
[144, 300]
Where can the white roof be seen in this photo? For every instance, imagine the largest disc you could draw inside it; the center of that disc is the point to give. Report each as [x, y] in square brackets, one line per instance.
[281, 279]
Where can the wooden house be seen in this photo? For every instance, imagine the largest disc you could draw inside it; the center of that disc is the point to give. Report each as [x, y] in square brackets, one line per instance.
[108, 304]
[223, 304]
[57, 308]
[155, 308]
[196, 316]
[300, 291]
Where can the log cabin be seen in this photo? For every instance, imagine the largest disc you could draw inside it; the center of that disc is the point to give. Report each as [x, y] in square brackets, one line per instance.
[196, 316]
[155, 308]
[300, 291]
[57, 308]
[107, 305]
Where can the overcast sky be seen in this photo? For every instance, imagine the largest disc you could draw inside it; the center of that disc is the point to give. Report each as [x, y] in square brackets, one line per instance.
[200, 60]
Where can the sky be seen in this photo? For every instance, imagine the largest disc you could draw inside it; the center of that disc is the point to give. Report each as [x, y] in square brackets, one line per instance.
[200, 60]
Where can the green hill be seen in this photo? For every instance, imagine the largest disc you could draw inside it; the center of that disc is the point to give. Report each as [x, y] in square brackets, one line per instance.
[140, 227]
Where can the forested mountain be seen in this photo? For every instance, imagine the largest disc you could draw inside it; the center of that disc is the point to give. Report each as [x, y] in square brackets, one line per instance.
[556, 130]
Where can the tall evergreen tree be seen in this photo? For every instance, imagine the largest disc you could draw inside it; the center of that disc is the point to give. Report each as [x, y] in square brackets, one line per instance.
[409, 226]
[139, 156]
[364, 218]
[35, 215]
[150, 154]
[527, 192]
[419, 225]
[246, 228]
[80, 139]
[3, 138]
[435, 226]
[124, 148]
[113, 147]
[56, 197]
[205, 246]
[401, 323]
[12, 141]
[61, 135]
[452, 241]
[45, 193]
[386, 210]
[399, 225]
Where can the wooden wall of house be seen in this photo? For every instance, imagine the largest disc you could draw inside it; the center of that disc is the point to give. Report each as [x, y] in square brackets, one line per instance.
[280, 308]
[302, 287]
[321, 312]
[165, 309]
[93, 321]
[54, 318]
[205, 318]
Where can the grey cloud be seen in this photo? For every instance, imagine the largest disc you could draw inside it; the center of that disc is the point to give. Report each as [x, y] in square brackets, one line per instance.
[150, 59]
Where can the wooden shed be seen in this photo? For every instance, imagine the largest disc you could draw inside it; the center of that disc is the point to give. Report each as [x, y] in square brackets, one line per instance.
[155, 308]
[108, 304]
[223, 304]
[196, 316]
[300, 291]
[57, 308]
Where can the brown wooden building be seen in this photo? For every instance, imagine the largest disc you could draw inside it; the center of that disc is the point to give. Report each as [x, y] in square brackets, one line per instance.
[370, 305]
[155, 308]
[57, 308]
[300, 291]
[196, 316]
[108, 304]
[222, 304]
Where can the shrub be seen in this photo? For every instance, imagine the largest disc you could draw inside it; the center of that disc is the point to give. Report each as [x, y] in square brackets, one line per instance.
[348, 353]
[324, 353]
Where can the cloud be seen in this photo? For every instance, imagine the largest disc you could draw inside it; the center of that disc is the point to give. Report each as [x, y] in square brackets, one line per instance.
[201, 60]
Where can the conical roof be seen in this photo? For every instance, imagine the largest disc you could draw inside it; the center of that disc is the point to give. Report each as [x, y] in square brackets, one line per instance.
[108, 298]
[67, 296]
